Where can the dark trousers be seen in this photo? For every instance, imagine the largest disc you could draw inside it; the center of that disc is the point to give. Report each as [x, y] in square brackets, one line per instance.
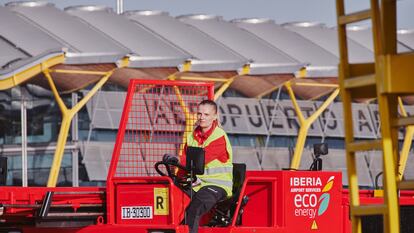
[202, 202]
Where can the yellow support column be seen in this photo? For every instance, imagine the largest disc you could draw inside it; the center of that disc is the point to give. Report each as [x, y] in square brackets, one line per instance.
[228, 82]
[190, 120]
[67, 116]
[305, 123]
[408, 138]
[223, 88]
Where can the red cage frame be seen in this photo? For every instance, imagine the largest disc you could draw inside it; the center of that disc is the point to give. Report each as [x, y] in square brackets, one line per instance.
[112, 180]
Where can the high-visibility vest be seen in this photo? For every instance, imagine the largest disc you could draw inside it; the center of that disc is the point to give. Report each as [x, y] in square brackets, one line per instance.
[215, 172]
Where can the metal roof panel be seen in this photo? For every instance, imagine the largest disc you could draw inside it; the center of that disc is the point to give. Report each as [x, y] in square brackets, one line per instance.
[289, 42]
[189, 39]
[363, 36]
[24, 35]
[79, 37]
[149, 48]
[244, 43]
[9, 54]
[406, 37]
[327, 38]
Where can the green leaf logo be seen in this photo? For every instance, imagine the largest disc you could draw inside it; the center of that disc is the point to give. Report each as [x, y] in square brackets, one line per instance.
[325, 197]
[323, 203]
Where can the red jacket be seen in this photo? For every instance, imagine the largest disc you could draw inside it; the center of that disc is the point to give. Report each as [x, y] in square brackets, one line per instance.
[214, 150]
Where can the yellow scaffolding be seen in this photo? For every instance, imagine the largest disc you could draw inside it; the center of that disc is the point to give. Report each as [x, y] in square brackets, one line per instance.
[385, 79]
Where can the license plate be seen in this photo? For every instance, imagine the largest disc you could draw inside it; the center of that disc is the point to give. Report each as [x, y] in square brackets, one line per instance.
[136, 212]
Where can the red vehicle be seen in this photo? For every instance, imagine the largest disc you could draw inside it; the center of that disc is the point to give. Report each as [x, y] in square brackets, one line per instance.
[142, 195]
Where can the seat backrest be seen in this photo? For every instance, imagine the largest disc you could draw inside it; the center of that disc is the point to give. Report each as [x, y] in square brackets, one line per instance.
[239, 174]
[224, 210]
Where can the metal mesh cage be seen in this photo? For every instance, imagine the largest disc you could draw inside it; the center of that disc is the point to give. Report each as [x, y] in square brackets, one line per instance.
[156, 119]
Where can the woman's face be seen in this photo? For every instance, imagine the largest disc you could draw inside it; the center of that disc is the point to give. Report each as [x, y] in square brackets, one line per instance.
[206, 115]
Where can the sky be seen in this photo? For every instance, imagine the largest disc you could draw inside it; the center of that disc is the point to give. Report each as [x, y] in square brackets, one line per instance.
[282, 11]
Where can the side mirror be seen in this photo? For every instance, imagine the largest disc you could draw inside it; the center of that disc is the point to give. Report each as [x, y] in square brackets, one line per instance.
[320, 149]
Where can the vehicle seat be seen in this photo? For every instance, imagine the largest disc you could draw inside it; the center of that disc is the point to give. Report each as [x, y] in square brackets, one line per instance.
[224, 210]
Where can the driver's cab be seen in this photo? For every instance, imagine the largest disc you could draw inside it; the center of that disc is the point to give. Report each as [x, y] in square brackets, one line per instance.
[156, 118]
[225, 210]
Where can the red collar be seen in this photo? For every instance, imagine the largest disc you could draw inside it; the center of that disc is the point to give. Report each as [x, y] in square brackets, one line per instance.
[201, 137]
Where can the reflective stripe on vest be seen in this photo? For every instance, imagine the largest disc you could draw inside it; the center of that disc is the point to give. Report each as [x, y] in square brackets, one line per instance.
[227, 183]
[215, 170]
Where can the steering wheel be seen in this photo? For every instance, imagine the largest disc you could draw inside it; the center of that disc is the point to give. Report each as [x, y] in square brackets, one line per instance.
[184, 181]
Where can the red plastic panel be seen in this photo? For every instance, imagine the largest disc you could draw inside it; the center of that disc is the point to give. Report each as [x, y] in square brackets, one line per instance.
[313, 201]
[136, 205]
[298, 201]
[150, 201]
[258, 212]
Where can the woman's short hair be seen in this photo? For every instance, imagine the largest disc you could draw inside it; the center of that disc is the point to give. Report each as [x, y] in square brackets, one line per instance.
[209, 102]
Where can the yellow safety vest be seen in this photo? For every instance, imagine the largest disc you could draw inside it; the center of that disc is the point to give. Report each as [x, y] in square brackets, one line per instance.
[215, 172]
